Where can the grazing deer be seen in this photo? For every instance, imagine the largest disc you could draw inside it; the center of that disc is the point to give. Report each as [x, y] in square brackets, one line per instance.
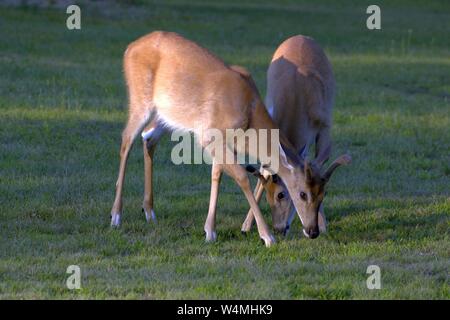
[177, 84]
[300, 94]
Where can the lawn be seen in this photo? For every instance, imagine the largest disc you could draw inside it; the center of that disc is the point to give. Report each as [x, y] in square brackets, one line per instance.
[63, 106]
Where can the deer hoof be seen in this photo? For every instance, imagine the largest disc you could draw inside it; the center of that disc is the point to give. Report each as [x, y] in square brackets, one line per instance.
[246, 227]
[268, 240]
[211, 236]
[115, 219]
[149, 216]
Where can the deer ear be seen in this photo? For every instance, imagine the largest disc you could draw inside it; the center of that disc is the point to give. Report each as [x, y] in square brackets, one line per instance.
[256, 173]
[284, 160]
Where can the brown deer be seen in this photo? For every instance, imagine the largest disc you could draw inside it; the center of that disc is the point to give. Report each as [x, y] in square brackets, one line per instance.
[172, 82]
[300, 94]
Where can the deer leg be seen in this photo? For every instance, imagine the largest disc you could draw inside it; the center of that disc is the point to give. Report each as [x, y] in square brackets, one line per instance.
[210, 224]
[323, 141]
[322, 220]
[323, 150]
[135, 124]
[239, 175]
[247, 225]
[150, 138]
[147, 205]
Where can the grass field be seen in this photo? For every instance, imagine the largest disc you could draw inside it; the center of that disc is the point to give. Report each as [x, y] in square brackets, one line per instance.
[62, 109]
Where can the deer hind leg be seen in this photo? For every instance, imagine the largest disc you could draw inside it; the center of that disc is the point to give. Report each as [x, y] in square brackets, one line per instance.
[248, 223]
[150, 138]
[210, 224]
[238, 173]
[141, 109]
[136, 122]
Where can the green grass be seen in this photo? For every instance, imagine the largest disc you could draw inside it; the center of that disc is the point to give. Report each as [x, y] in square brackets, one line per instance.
[62, 109]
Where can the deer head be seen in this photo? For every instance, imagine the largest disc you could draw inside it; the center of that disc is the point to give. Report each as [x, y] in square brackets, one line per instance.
[277, 198]
[302, 189]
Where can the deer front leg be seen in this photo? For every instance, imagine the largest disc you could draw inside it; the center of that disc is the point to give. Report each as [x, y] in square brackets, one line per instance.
[323, 151]
[248, 223]
[323, 145]
[239, 175]
[322, 220]
[210, 224]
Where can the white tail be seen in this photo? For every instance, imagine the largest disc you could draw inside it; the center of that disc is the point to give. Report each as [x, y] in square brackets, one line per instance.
[300, 94]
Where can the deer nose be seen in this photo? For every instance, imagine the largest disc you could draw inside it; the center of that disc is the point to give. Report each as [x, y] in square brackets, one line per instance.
[312, 233]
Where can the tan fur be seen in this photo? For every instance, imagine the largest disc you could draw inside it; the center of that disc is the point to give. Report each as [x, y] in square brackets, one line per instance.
[300, 94]
[300, 90]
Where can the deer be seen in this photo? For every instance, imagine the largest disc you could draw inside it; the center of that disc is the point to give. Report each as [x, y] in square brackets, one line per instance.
[173, 83]
[300, 97]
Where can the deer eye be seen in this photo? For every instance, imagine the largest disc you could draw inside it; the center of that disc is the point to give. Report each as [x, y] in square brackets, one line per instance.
[280, 196]
[303, 196]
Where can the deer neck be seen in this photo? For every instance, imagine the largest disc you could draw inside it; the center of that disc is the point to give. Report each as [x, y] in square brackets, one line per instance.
[261, 120]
